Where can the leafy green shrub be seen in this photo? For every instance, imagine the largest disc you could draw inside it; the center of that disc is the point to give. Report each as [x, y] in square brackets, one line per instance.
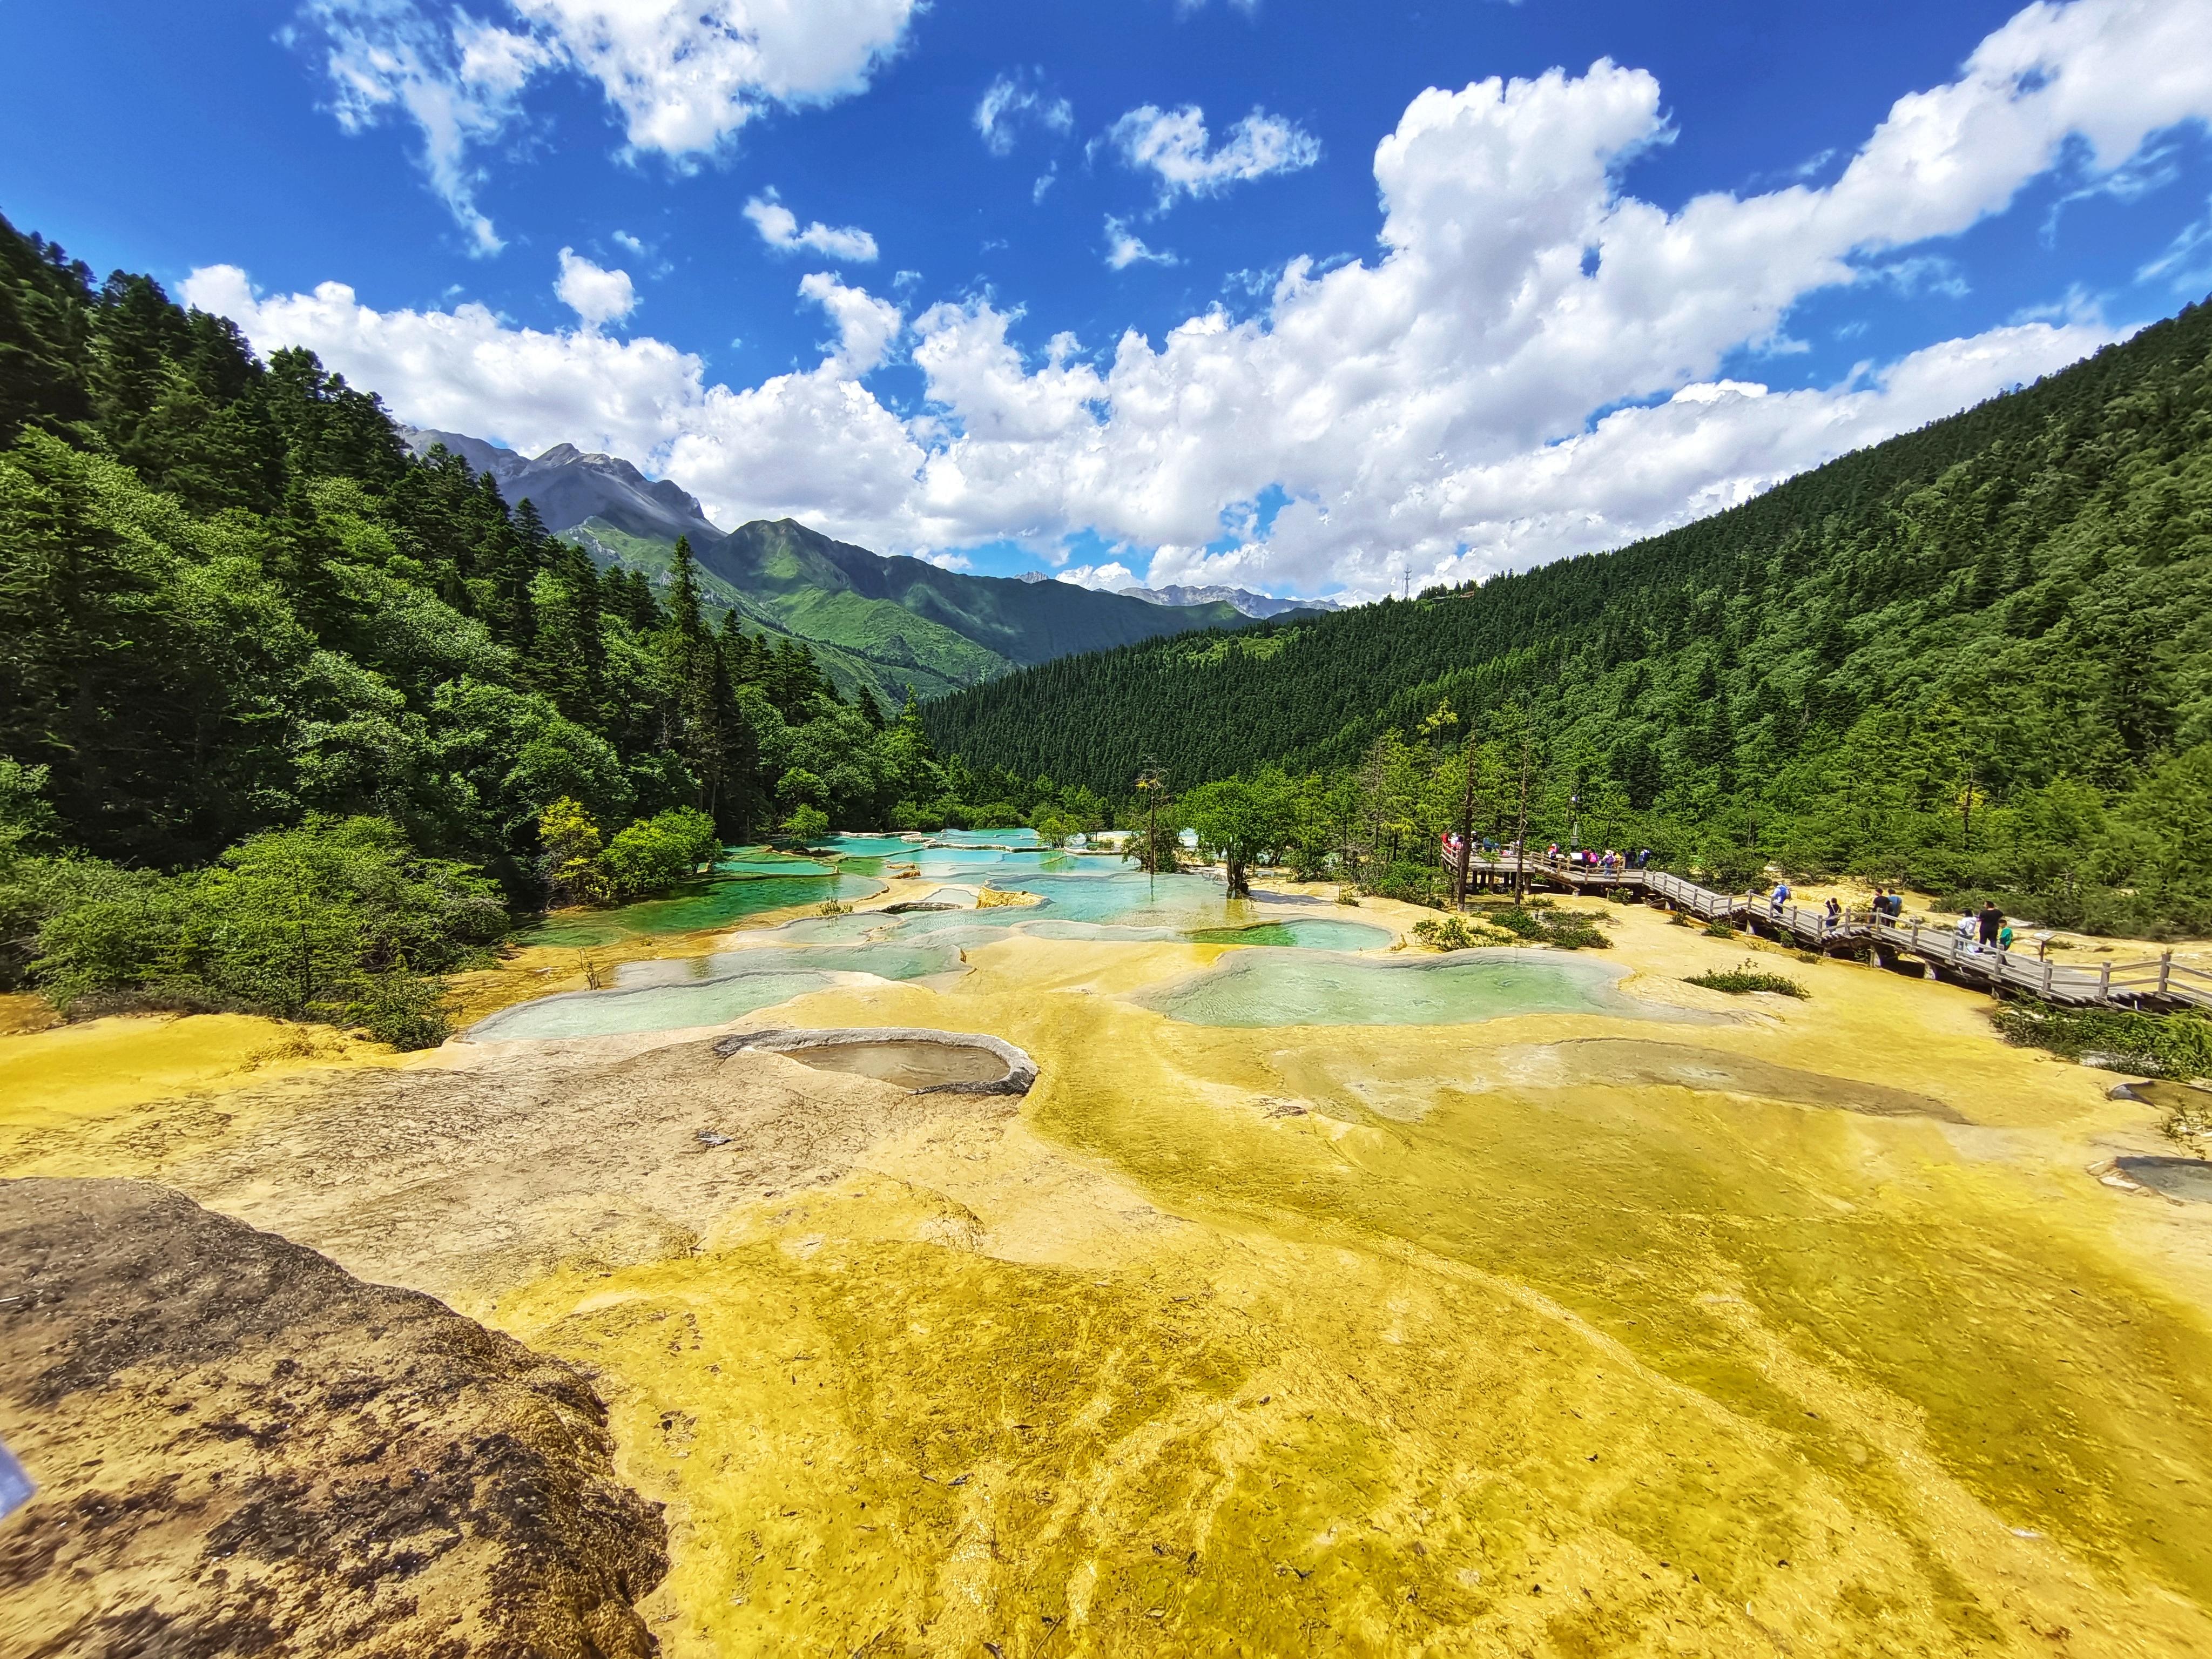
[1738, 981]
[1446, 933]
[654, 854]
[572, 844]
[1410, 883]
[1521, 922]
[338, 921]
[805, 825]
[1540, 922]
[1718, 929]
[2177, 1045]
[1572, 930]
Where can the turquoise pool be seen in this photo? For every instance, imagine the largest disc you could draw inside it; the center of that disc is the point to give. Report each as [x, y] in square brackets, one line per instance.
[713, 903]
[1292, 987]
[671, 996]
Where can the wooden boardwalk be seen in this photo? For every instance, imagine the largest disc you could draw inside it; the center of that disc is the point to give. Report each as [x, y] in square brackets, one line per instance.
[2157, 982]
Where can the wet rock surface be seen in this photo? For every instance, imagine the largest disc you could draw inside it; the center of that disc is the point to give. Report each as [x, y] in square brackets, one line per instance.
[242, 1448]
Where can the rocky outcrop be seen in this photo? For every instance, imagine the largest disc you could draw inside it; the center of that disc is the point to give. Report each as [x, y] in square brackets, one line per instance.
[242, 1448]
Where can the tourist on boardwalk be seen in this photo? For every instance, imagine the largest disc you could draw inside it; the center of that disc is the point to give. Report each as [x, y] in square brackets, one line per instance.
[1780, 898]
[1970, 930]
[1835, 914]
[1643, 857]
[1989, 923]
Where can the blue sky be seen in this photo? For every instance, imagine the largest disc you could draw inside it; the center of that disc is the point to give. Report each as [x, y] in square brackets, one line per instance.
[1434, 405]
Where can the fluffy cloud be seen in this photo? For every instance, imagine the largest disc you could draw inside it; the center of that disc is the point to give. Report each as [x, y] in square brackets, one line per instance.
[467, 370]
[779, 227]
[1014, 101]
[866, 325]
[458, 81]
[598, 297]
[1174, 145]
[682, 74]
[1105, 578]
[1124, 248]
[1426, 411]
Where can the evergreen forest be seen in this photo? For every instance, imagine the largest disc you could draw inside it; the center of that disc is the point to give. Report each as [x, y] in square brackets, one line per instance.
[1976, 659]
[293, 721]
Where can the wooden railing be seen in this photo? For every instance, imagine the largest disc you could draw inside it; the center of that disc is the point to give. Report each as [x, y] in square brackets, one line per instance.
[2161, 981]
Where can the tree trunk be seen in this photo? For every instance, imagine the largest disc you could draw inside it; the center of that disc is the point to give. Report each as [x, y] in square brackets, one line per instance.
[1465, 830]
[1521, 833]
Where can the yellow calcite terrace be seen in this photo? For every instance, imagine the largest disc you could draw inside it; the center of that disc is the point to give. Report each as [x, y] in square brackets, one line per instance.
[1800, 1329]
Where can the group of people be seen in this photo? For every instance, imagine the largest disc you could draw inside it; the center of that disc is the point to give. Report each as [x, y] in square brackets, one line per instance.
[1890, 906]
[1986, 929]
[1607, 863]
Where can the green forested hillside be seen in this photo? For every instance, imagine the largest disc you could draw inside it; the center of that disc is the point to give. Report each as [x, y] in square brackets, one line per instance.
[1978, 656]
[876, 655]
[886, 625]
[290, 718]
[878, 625]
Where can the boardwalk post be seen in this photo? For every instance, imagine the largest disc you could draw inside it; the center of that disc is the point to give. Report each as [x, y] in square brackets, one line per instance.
[2050, 968]
[2164, 970]
[2104, 982]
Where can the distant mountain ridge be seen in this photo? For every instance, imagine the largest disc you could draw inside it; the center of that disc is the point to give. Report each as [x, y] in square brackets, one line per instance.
[882, 621]
[569, 487]
[1259, 606]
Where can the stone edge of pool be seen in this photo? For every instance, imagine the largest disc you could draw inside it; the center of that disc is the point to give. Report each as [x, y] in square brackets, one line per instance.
[1021, 1071]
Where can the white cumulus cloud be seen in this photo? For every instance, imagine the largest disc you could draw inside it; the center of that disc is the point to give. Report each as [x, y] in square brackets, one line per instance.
[1015, 101]
[1124, 248]
[1427, 410]
[1173, 144]
[682, 74]
[1104, 578]
[598, 297]
[779, 229]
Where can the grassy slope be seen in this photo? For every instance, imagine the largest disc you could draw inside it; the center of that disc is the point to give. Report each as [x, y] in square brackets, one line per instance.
[860, 650]
[888, 623]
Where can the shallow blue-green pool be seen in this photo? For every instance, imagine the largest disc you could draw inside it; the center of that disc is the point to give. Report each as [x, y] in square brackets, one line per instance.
[1297, 987]
[671, 994]
[711, 903]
